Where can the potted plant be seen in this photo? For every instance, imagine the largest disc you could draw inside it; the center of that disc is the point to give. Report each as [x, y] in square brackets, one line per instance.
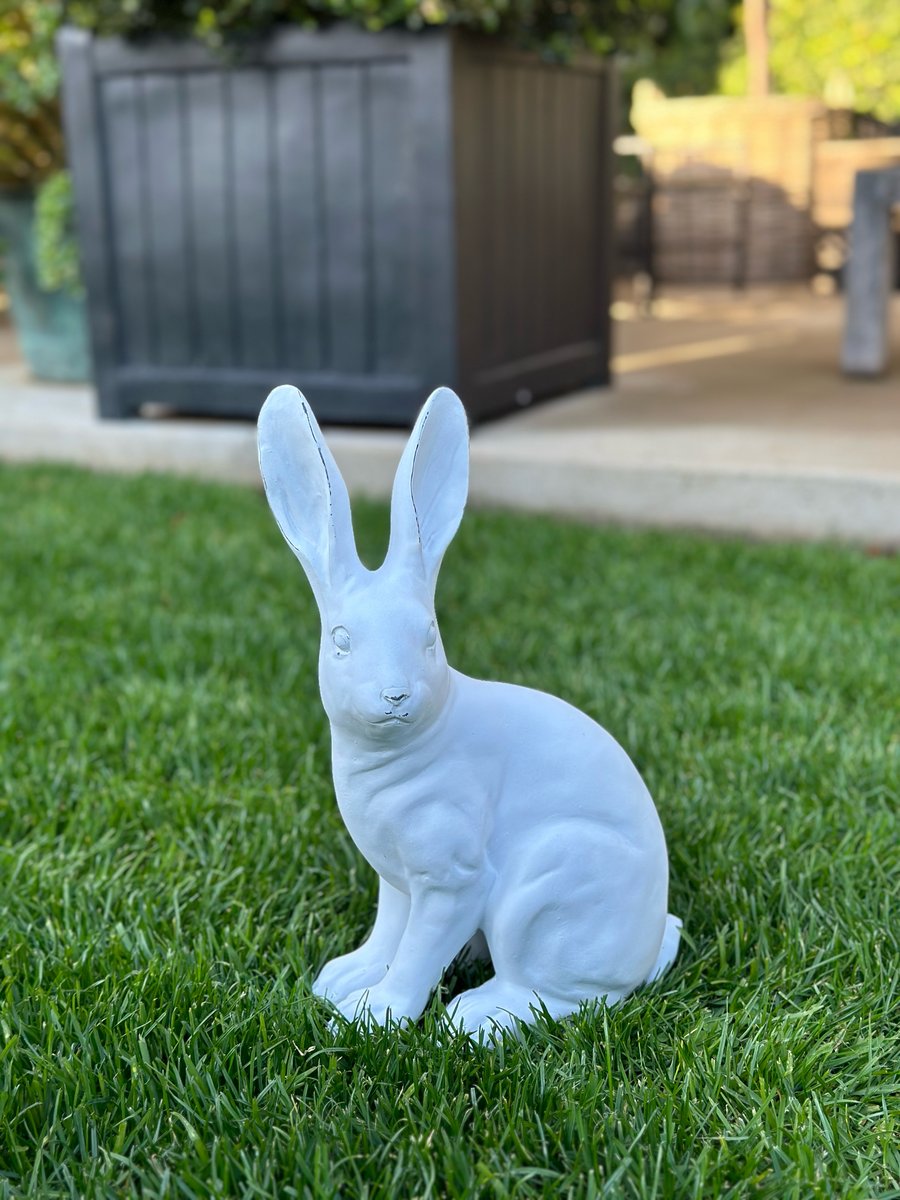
[363, 212]
[38, 254]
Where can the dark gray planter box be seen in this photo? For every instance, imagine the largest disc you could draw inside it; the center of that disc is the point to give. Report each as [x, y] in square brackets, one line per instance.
[366, 216]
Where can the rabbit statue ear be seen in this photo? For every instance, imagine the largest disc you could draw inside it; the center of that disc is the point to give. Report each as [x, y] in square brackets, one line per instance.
[431, 484]
[305, 490]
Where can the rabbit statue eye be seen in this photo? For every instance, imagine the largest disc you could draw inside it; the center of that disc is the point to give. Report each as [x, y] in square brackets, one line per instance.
[431, 636]
[341, 639]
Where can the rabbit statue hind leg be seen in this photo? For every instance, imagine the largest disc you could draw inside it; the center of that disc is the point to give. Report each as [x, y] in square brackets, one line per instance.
[571, 924]
[500, 1004]
[668, 951]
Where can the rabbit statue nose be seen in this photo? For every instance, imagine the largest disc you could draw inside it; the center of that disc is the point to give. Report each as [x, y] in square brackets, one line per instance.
[394, 695]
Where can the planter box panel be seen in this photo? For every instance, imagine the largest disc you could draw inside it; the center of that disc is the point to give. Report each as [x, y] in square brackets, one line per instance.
[347, 248]
[268, 216]
[211, 219]
[300, 218]
[252, 169]
[130, 229]
[390, 176]
[165, 213]
[532, 174]
[152, 227]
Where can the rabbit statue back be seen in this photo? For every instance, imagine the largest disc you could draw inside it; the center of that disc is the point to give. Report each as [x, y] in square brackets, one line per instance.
[497, 817]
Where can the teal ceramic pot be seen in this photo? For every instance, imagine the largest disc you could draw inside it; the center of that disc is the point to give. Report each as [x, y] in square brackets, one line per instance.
[51, 326]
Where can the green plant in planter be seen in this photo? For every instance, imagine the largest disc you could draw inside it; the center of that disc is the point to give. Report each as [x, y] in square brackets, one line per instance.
[31, 144]
[640, 29]
[39, 250]
[56, 248]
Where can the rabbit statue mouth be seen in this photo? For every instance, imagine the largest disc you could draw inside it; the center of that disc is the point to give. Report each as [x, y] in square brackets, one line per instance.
[495, 815]
[390, 726]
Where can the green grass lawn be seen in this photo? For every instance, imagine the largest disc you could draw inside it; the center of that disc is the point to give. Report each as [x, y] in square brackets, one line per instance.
[173, 868]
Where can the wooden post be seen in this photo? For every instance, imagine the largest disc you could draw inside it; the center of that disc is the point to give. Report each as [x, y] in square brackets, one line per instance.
[756, 37]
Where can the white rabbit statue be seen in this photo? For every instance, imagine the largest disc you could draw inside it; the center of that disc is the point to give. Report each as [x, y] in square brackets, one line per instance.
[499, 819]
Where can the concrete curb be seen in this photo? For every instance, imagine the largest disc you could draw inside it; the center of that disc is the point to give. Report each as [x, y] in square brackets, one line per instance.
[650, 477]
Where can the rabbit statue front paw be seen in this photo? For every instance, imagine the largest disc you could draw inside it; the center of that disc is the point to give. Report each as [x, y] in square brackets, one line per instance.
[377, 1005]
[368, 964]
[348, 973]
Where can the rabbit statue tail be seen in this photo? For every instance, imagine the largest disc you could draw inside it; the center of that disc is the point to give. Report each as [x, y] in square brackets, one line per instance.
[669, 948]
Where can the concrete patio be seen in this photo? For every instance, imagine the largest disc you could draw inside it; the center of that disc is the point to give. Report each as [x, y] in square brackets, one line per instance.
[728, 413]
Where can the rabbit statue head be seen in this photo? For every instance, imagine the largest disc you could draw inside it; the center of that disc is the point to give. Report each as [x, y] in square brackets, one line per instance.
[383, 673]
[500, 820]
